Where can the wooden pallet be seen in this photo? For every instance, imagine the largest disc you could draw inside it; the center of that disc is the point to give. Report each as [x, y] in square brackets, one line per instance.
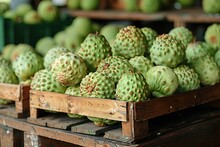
[19, 94]
[134, 117]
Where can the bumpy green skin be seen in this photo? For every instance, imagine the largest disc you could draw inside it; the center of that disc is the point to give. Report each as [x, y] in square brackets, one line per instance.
[73, 4]
[188, 79]
[114, 67]
[93, 50]
[44, 44]
[44, 81]
[129, 42]
[4, 62]
[167, 51]
[89, 5]
[150, 35]
[149, 6]
[52, 54]
[99, 86]
[162, 81]
[197, 50]
[132, 87]
[130, 5]
[141, 64]
[83, 26]
[19, 49]
[211, 6]
[27, 64]
[47, 11]
[207, 69]
[183, 34]
[7, 51]
[212, 35]
[7, 75]
[32, 17]
[110, 31]
[69, 69]
[217, 57]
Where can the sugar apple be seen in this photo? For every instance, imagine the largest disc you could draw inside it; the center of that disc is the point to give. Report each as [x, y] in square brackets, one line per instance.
[211, 6]
[7, 51]
[89, 5]
[217, 57]
[167, 51]
[32, 17]
[8, 75]
[130, 5]
[150, 35]
[69, 69]
[212, 35]
[4, 62]
[44, 44]
[73, 4]
[47, 11]
[83, 26]
[162, 81]
[149, 6]
[129, 42]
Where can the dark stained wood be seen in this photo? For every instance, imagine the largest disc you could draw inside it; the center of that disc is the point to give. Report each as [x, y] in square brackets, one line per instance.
[102, 108]
[57, 120]
[91, 129]
[116, 15]
[166, 105]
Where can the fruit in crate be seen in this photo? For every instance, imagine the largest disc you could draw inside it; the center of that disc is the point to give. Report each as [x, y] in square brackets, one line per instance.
[69, 69]
[207, 69]
[23, 9]
[217, 57]
[150, 36]
[141, 64]
[26, 65]
[132, 87]
[188, 79]
[4, 62]
[7, 75]
[89, 5]
[93, 50]
[32, 17]
[149, 6]
[47, 11]
[167, 51]
[82, 25]
[114, 67]
[162, 81]
[197, 50]
[129, 42]
[73, 4]
[7, 51]
[3, 8]
[130, 5]
[211, 6]
[212, 35]
[43, 80]
[60, 38]
[183, 34]
[44, 44]
[52, 54]
[99, 86]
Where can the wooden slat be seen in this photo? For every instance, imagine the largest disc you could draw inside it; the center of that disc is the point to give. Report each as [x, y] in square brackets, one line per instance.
[166, 105]
[10, 91]
[102, 108]
[116, 15]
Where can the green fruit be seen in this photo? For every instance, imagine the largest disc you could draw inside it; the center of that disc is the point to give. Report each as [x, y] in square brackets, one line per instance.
[207, 69]
[114, 67]
[167, 51]
[19, 49]
[197, 50]
[11, 15]
[132, 87]
[60, 38]
[186, 3]
[211, 6]
[217, 57]
[32, 17]
[73, 4]
[129, 42]
[183, 34]
[141, 64]
[93, 50]
[27, 64]
[130, 5]
[110, 31]
[47, 11]
[162, 81]
[89, 5]
[43, 80]
[212, 36]
[188, 79]
[69, 69]
[4, 62]
[44, 44]
[150, 36]
[149, 6]
[99, 86]
[52, 54]
[23, 9]
[7, 51]
[7, 75]
[82, 25]
[3, 8]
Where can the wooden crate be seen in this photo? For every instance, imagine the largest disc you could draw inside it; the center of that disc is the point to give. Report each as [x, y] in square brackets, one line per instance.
[134, 117]
[19, 94]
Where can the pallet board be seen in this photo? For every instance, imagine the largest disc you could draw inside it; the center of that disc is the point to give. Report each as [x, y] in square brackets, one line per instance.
[134, 117]
[19, 95]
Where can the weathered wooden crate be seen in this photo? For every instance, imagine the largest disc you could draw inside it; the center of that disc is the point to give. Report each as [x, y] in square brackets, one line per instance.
[19, 94]
[134, 116]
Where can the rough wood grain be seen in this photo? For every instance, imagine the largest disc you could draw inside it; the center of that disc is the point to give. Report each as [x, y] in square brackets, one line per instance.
[10, 91]
[103, 108]
[166, 105]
